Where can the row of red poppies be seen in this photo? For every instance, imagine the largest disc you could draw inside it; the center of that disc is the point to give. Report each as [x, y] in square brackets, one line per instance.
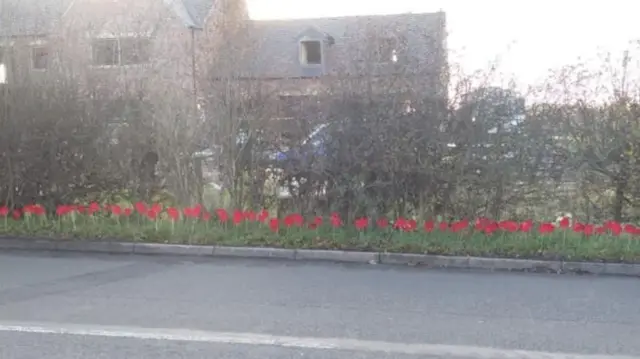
[198, 212]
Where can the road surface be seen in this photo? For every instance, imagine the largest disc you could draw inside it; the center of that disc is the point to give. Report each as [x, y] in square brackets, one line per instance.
[68, 306]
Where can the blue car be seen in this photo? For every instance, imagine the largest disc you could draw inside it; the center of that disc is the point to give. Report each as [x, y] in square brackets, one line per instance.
[313, 145]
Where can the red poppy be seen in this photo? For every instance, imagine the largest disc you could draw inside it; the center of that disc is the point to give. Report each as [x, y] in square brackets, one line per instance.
[588, 229]
[318, 221]
[600, 230]
[152, 214]
[481, 223]
[400, 223]
[80, 208]
[156, 207]
[410, 225]
[313, 225]
[127, 211]
[294, 219]
[579, 227]
[206, 216]
[565, 222]
[509, 226]
[382, 223]
[63, 210]
[222, 214]
[141, 208]
[39, 210]
[173, 213]
[443, 226]
[631, 229]
[335, 220]
[459, 226]
[250, 216]
[361, 223]
[93, 208]
[546, 227]
[274, 225]
[526, 226]
[197, 211]
[263, 215]
[4, 211]
[191, 212]
[614, 227]
[238, 217]
[116, 210]
[34, 209]
[429, 226]
[289, 222]
[16, 214]
[490, 227]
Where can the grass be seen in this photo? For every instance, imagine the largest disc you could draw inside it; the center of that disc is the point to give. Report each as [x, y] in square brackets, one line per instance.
[560, 245]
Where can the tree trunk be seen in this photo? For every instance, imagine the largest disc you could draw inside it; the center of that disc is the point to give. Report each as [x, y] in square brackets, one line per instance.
[618, 204]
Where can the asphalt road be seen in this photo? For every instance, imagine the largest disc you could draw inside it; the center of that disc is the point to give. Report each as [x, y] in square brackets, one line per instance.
[79, 306]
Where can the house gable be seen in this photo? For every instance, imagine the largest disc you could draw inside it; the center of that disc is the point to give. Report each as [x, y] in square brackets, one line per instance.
[411, 43]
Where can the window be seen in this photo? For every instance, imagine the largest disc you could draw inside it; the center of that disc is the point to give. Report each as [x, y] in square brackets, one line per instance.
[311, 52]
[105, 52]
[385, 50]
[134, 50]
[291, 106]
[39, 58]
[299, 106]
[3, 68]
[123, 51]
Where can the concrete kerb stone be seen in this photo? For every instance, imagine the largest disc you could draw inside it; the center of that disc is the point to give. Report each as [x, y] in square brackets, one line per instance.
[27, 244]
[526, 265]
[502, 264]
[622, 269]
[95, 246]
[254, 252]
[424, 260]
[619, 269]
[580, 267]
[337, 256]
[172, 249]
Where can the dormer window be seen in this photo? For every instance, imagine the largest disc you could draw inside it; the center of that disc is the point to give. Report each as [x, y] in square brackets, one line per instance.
[39, 57]
[311, 52]
[385, 50]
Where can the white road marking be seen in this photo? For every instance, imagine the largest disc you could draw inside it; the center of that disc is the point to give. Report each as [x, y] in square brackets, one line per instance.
[437, 350]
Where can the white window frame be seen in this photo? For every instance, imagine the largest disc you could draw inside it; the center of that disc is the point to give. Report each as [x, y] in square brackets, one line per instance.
[3, 74]
[3, 66]
[117, 40]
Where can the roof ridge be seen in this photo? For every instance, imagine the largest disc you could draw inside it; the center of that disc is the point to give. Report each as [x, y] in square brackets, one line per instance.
[346, 17]
[182, 11]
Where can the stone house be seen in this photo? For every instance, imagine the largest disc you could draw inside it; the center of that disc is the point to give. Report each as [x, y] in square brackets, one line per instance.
[111, 45]
[300, 66]
[172, 47]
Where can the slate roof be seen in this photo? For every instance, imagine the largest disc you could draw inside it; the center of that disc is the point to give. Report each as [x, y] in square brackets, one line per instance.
[199, 9]
[192, 12]
[39, 17]
[277, 49]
